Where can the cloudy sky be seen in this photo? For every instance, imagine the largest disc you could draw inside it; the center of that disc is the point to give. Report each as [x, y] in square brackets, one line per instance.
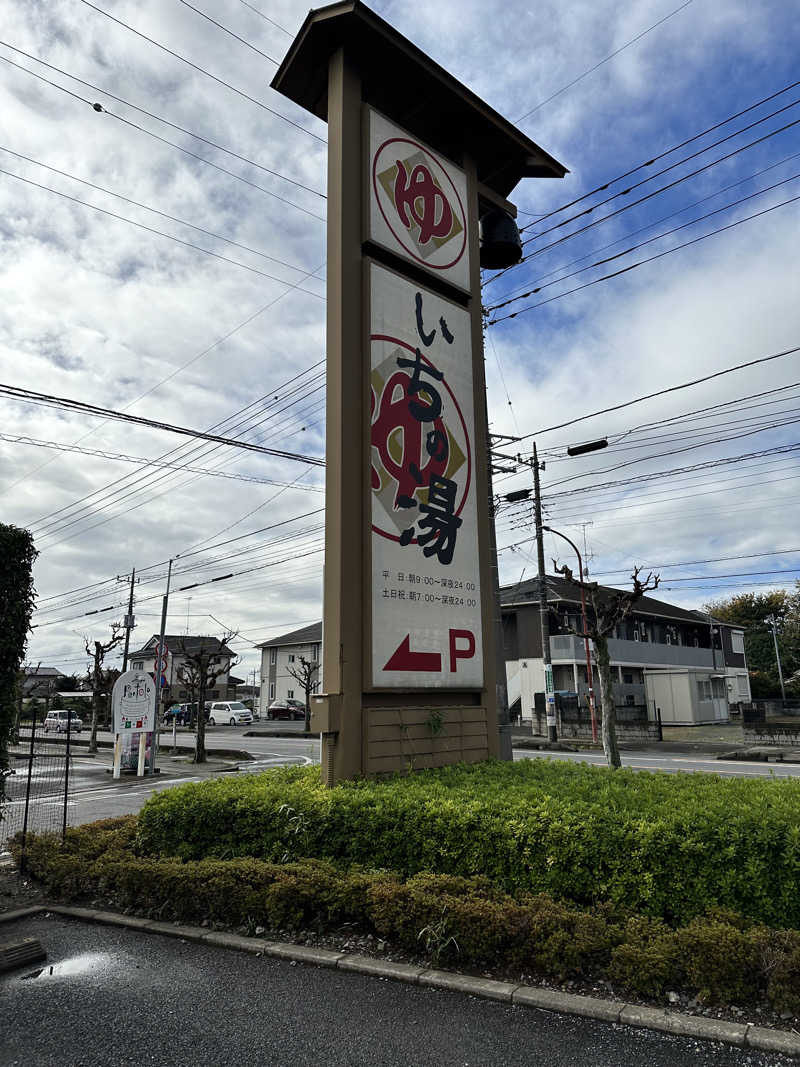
[139, 317]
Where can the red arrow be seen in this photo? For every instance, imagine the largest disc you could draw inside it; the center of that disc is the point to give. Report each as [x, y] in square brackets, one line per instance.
[403, 659]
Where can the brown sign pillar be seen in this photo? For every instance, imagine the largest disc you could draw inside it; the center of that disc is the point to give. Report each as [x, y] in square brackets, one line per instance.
[410, 673]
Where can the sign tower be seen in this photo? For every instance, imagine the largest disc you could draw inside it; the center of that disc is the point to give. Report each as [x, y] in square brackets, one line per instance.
[410, 673]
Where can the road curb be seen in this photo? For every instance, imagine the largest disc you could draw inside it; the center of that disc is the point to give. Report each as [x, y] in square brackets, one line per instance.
[742, 1035]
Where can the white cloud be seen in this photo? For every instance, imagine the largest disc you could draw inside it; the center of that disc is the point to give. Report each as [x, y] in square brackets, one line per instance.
[93, 308]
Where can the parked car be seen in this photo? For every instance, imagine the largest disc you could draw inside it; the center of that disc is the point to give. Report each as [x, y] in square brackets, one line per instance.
[232, 712]
[57, 720]
[286, 709]
[188, 714]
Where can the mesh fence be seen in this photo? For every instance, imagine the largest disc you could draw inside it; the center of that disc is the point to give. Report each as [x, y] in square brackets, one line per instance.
[36, 786]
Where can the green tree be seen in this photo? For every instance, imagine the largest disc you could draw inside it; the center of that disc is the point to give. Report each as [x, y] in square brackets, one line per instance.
[750, 611]
[17, 598]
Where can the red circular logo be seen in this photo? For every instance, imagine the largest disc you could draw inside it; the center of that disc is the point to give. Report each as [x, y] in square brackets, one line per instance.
[419, 203]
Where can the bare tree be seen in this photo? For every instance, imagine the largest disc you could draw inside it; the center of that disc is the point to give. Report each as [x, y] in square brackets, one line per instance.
[306, 674]
[98, 678]
[609, 607]
[198, 673]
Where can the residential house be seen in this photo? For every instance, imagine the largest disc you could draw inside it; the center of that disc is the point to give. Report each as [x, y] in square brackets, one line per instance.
[704, 657]
[178, 647]
[41, 681]
[279, 655]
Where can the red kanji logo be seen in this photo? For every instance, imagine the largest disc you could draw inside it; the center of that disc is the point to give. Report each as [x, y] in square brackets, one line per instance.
[420, 188]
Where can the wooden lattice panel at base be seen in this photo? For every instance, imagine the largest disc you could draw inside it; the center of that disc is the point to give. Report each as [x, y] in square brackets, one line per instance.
[411, 739]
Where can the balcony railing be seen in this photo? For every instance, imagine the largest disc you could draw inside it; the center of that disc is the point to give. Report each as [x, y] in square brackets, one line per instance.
[566, 648]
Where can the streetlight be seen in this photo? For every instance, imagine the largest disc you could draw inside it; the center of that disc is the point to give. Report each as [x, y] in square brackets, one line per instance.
[589, 678]
[772, 623]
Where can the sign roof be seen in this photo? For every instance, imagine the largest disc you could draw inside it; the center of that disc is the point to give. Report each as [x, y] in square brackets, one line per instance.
[390, 67]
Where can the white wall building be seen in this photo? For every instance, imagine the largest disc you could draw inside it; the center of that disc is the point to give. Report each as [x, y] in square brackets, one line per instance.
[282, 654]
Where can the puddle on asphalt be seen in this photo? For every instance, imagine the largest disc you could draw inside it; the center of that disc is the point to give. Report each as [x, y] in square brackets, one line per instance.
[89, 963]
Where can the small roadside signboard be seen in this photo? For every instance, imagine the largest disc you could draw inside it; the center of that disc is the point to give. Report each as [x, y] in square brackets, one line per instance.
[133, 704]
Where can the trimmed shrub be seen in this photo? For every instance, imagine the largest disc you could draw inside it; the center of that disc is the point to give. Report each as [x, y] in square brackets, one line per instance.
[664, 845]
[468, 921]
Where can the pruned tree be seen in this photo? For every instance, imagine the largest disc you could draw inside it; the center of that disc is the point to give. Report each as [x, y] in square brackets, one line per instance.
[199, 673]
[307, 674]
[98, 678]
[608, 608]
[17, 598]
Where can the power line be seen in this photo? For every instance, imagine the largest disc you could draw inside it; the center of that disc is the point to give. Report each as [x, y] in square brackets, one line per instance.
[266, 18]
[777, 450]
[657, 222]
[648, 196]
[649, 259]
[662, 155]
[173, 374]
[698, 562]
[155, 211]
[679, 163]
[158, 118]
[191, 552]
[159, 233]
[118, 491]
[202, 70]
[243, 425]
[230, 32]
[62, 446]
[671, 452]
[596, 66]
[50, 400]
[661, 392]
[643, 244]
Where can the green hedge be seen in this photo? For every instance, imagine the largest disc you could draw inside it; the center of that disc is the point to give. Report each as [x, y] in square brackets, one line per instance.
[462, 921]
[668, 846]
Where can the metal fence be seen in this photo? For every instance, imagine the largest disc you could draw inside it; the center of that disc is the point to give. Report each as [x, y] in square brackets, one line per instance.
[36, 787]
[763, 710]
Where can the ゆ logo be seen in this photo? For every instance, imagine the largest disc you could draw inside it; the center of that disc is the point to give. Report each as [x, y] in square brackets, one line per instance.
[419, 203]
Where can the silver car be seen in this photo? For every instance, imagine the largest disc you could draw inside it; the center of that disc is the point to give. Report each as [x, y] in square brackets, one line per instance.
[57, 720]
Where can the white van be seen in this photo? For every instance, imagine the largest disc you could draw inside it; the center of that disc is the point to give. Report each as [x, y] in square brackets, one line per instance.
[232, 712]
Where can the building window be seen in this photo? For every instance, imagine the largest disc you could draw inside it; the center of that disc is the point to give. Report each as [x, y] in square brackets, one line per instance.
[290, 694]
[138, 665]
[273, 655]
[704, 690]
[717, 688]
[627, 679]
[271, 690]
[741, 681]
[291, 657]
[737, 642]
[630, 700]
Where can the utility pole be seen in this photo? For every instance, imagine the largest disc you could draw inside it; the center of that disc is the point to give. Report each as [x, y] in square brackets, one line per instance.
[549, 688]
[771, 621]
[128, 623]
[501, 688]
[157, 674]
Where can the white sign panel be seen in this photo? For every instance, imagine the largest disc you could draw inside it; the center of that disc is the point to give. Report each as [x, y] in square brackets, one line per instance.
[133, 702]
[426, 598]
[417, 202]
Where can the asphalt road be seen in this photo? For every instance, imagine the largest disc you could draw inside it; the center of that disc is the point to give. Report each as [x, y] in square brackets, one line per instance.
[125, 998]
[647, 760]
[94, 794]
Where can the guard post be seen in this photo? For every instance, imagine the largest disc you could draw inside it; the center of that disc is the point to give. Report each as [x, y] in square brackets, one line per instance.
[409, 672]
